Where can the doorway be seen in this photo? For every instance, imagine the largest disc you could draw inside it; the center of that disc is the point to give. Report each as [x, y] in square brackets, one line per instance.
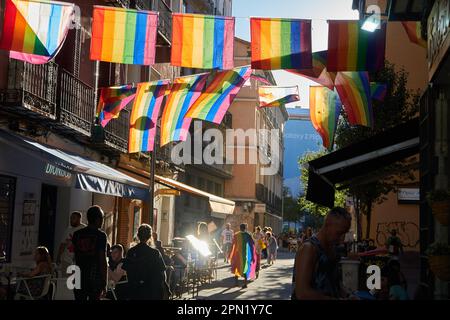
[47, 217]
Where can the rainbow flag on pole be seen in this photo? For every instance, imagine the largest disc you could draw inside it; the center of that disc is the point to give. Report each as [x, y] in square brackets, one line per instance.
[184, 92]
[144, 116]
[281, 44]
[325, 108]
[353, 49]
[414, 31]
[355, 94]
[112, 101]
[201, 41]
[277, 96]
[34, 31]
[124, 35]
[218, 96]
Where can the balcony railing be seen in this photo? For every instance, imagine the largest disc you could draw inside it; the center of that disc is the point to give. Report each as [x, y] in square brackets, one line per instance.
[263, 194]
[165, 19]
[117, 131]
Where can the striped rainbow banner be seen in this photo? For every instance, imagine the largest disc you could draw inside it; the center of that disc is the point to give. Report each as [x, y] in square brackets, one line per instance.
[353, 49]
[35, 28]
[124, 35]
[355, 94]
[112, 101]
[202, 41]
[281, 43]
[218, 96]
[414, 31]
[325, 108]
[184, 92]
[271, 96]
[144, 116]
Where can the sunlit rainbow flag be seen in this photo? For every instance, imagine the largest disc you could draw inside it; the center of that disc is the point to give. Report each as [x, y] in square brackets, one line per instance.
[112, 100]
[414, 31]
[219, 94]
[353, 49]
[202, 41]
[355, 94]
[325, 108]
[378, 91]
[144, 116]
[34, 31]
[243, 256]
[281, 43]
[277, 96]
[183, 93]
[124, 35]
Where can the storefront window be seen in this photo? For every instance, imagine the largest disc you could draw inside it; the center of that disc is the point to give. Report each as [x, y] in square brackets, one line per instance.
[7, 188]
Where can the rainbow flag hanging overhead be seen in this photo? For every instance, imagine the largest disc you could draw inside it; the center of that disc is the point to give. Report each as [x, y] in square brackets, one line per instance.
[144, 116]
[184, 92]
[218, 96]
[124, 35]
[325, 108]
[355, 94]
[34, 31]
[281, 44]
[353, 49]
[202, 41]
[277, 96]
[414, 31]
[378, 91]
[112, 101]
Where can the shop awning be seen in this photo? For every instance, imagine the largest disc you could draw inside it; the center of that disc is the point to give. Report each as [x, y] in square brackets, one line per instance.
[357, 160]
[86, 174]
[220, 207]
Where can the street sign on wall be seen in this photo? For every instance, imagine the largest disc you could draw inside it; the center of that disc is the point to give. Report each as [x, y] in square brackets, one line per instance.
[260, 208]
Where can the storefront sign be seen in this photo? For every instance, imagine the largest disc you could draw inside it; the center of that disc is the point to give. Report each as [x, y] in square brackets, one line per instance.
[438, 34]
[168, 192]
[260, 208]
[408, 195]
[58, 172]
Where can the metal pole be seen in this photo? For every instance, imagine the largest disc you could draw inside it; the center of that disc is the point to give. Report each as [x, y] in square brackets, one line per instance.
[152, 184]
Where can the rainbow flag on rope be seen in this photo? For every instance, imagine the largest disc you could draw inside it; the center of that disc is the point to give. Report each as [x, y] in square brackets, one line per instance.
[414, 31]
[218, 96]
[34, 31]
[325, 108]
[277, 96]
[243, 256]
[353, 49]
[184, 92]
[378, 91]
[201, 41]
[144, 116]
[355, 94]
[260, 78]
[124, 35]
[281, 44]
[112, 101]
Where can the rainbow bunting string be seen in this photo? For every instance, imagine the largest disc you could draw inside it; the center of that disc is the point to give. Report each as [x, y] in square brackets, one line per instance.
[281, 44]
[124, 35]
[325, 108]
[414, 31]
[184, 92]
[277, 96]
[112, 101]
[218, 96]
[353, 49]
[144, 116]
[201, 41]
[355, 94]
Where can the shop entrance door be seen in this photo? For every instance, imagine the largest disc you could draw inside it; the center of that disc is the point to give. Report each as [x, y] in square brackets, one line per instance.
[47, 217]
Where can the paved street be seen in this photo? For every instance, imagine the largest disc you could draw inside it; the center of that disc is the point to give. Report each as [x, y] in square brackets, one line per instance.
[274, 283]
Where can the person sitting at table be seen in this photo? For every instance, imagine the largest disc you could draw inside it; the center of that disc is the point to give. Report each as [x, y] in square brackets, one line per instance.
[116, 274]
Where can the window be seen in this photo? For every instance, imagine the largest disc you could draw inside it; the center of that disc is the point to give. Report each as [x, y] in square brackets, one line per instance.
[210, 187]
[7, 191]
[219, 191]
[184, 8]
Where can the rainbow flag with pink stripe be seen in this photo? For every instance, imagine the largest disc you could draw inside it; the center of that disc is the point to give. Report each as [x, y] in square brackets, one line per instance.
[124, 35]
[414, 31]
[218, 96]
[183, 93]
[243, 256]
[112, 101]
[34, 31]
[144, 116]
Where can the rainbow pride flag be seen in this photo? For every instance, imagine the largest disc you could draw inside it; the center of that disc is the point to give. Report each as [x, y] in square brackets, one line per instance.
[281, 44]
[378, 91]
[243, 256]
[353, 49]
[112, 101]
[277, 96]
[202, 41]
[124, 35]
[355, 94]
[34, 31]
[184, 92]
[144, 116]
[325, 108]
[414, 31]
[218, 96]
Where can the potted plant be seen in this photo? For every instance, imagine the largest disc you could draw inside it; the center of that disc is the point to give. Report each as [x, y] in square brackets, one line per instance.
[439, 201]
[439, 260]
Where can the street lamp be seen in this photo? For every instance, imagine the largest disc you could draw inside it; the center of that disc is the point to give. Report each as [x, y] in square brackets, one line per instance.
[372, 23]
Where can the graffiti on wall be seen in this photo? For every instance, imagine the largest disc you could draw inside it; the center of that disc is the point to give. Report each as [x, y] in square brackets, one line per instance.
[407, 231]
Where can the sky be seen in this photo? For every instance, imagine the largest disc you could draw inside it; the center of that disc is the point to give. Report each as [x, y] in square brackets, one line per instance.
[317, 10]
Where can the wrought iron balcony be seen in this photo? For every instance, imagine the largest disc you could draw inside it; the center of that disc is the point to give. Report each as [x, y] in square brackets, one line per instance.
[119, 3]
[164, 21]
[117, 131]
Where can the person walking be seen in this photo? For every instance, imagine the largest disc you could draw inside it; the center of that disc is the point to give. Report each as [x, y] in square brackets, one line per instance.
[272, 248]
[243, 256]
[394, 244]
[258, 237]
[227, 242]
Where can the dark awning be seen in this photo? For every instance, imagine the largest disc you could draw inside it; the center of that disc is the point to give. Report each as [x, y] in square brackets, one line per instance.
[359, 159]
